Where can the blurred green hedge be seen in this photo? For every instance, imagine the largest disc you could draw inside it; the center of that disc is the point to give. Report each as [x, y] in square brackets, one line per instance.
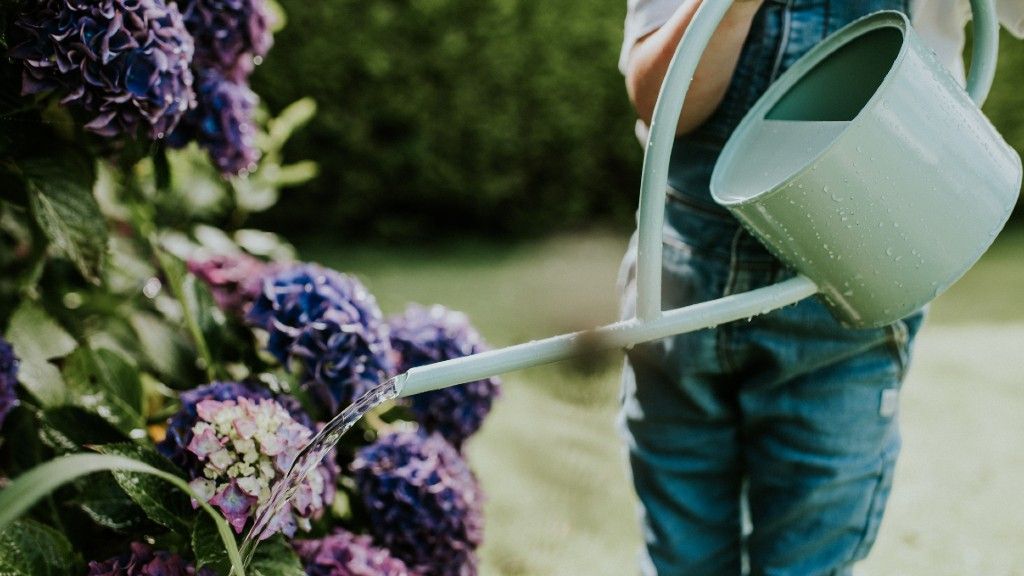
[437, 116]
[480, 116]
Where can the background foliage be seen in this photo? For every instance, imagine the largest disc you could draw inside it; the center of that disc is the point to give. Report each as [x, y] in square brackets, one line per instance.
[489, 116]
[443, 115]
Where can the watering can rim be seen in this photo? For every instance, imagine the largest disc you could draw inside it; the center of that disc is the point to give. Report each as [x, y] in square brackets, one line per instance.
[824, 49]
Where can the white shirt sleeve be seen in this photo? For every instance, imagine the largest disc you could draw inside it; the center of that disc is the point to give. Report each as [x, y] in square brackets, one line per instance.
[1011, 14]
[941, 24]
[642, 18]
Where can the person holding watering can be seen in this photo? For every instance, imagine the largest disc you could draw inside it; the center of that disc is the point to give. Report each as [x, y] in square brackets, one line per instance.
[788, 419]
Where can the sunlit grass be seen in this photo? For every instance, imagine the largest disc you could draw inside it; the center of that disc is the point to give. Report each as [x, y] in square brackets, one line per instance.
[552, 464]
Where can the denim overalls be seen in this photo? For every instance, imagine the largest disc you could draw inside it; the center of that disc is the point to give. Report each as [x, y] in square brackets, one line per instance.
[789, 419]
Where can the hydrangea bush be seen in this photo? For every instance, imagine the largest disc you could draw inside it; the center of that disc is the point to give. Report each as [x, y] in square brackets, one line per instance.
[343, 553]
[234, 441]
[329, 324]
[423, 501]
[424, 335]
[142, 560]
[125, 65]
[8, 379]
[142, 322]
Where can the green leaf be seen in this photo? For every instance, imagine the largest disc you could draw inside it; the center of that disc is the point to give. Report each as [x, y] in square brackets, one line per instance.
[24, 491]
[293, 117]
[214, 239]
[165, 348]
[60, 195]
[275, 557]
[103, 500]
[37, 339]
[255, 195]
[197, 306]
[207, 549]
[28, 548]
[204, 309]
[71, 428]
[265, 244]
[296, 173]
[168, 509]
[105, 383]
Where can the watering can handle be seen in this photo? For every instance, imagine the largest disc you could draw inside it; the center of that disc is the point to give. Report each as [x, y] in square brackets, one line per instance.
[669, 106]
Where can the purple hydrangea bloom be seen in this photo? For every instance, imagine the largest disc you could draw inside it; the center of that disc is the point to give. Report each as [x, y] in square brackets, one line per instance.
[235, 441]
[345, 554]
[125, 63]
[235, 280]
[222, 124]
[423, 502]
[231, 35]
[142, 560]
[8, 379]
[426, 335]
[331, 324]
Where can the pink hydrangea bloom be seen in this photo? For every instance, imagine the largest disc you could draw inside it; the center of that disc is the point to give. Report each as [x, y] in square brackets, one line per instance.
[244, 446]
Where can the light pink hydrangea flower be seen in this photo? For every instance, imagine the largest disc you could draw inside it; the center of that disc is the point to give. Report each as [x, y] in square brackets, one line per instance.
[245, 446]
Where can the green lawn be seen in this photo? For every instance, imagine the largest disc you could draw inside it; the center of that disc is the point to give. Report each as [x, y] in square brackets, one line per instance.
[559, 499]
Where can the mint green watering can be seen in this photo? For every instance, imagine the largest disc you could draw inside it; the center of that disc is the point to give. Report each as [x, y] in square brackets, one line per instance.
[866, 168]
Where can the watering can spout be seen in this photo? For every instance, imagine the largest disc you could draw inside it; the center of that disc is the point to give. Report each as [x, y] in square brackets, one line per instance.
[624, 334]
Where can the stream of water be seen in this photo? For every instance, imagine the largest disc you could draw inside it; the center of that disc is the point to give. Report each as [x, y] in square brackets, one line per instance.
[311, 455]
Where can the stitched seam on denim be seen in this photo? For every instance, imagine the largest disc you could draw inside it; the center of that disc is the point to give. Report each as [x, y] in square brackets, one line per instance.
[884, 471]
[787, 23]
[733, 263]
[724, 357]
